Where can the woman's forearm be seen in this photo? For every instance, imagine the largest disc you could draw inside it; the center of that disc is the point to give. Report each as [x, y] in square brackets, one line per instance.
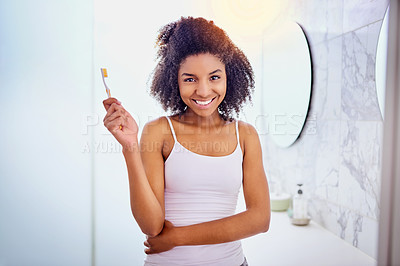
[238, 226]
[144, 205]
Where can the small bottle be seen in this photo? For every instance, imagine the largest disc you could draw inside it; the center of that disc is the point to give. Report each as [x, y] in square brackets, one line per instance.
[299, 204]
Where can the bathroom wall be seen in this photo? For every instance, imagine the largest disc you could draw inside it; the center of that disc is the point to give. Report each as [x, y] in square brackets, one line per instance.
[338, 155]
[45, 178]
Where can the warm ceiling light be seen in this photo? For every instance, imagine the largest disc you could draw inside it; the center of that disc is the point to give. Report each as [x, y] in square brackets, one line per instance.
[247, 17]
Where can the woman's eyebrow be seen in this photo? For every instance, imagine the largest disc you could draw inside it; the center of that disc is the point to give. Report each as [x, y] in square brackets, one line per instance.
[192, 75]
[215, 71]
[187, 74]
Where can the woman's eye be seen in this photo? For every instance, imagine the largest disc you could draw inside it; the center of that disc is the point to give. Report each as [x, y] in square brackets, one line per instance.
[215, 77]
[189, 80]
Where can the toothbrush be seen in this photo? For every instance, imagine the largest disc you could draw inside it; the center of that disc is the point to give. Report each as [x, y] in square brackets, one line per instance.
[105, 75]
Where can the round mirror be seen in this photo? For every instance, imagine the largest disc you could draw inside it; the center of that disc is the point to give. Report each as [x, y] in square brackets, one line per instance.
[380, 64]
[286, 82]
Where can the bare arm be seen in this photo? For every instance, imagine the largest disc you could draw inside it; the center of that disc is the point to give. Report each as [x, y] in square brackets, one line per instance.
[255, 219]
[145, 167]
[147, 208]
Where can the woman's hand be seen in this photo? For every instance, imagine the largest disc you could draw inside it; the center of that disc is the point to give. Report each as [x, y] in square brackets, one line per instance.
[120, 123]
[163, 241]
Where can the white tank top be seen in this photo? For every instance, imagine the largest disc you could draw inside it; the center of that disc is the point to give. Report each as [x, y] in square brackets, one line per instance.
[200, 188]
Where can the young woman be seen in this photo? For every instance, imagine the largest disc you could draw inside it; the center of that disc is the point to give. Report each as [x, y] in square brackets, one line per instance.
[186, 173]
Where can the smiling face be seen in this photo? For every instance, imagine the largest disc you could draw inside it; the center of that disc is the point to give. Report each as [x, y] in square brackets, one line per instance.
[202, 84]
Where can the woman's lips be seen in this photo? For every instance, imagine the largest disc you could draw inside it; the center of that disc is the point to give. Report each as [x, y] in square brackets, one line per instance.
[203, 104]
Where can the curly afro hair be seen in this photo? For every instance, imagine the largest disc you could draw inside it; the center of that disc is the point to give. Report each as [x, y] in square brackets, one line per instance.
[192, 36]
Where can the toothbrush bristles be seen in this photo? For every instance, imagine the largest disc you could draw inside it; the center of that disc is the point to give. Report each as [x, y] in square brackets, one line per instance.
[105, 75]
[104, 71]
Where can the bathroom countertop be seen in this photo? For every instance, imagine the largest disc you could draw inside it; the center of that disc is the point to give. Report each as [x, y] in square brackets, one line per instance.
[287, 244]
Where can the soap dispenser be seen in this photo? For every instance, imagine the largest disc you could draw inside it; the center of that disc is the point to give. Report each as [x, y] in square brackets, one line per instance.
[299, 204]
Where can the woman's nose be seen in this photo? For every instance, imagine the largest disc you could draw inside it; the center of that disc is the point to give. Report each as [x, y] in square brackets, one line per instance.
[203, 89]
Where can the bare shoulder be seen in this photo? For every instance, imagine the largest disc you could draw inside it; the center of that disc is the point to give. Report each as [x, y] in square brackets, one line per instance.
[248, 135]
[156, 130]
[247, 130]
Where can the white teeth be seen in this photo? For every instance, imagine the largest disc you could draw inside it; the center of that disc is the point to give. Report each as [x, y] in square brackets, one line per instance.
[203, 102]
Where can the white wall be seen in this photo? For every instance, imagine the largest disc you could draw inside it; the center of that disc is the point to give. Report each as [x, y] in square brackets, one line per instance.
[46, 81]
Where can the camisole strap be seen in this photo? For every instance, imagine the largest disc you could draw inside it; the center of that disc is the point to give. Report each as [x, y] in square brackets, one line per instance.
[172, 128]
[237, 131]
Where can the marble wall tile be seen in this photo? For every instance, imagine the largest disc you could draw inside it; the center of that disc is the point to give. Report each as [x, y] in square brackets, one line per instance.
[321, 19]
[368, 237]
[359, 100]
[327, 160]
[360, 231]
[327, 68]
[308, 139]
[334, 18]
[331, 216]
[359, 13]
[332, 106]
[282, 166]
[288, 167]
[359, 174]
[325, 213]
[357, 230]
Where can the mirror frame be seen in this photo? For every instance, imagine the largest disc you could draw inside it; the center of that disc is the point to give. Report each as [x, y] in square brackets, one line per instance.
[381, 61]
[287, 82]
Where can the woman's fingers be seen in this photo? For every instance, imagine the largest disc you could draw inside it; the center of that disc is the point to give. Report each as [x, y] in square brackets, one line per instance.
[114, 108]
[109, 101]
[115, 124]
[120, 123]
[115, 113]
[115, 118]
[148, 249]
